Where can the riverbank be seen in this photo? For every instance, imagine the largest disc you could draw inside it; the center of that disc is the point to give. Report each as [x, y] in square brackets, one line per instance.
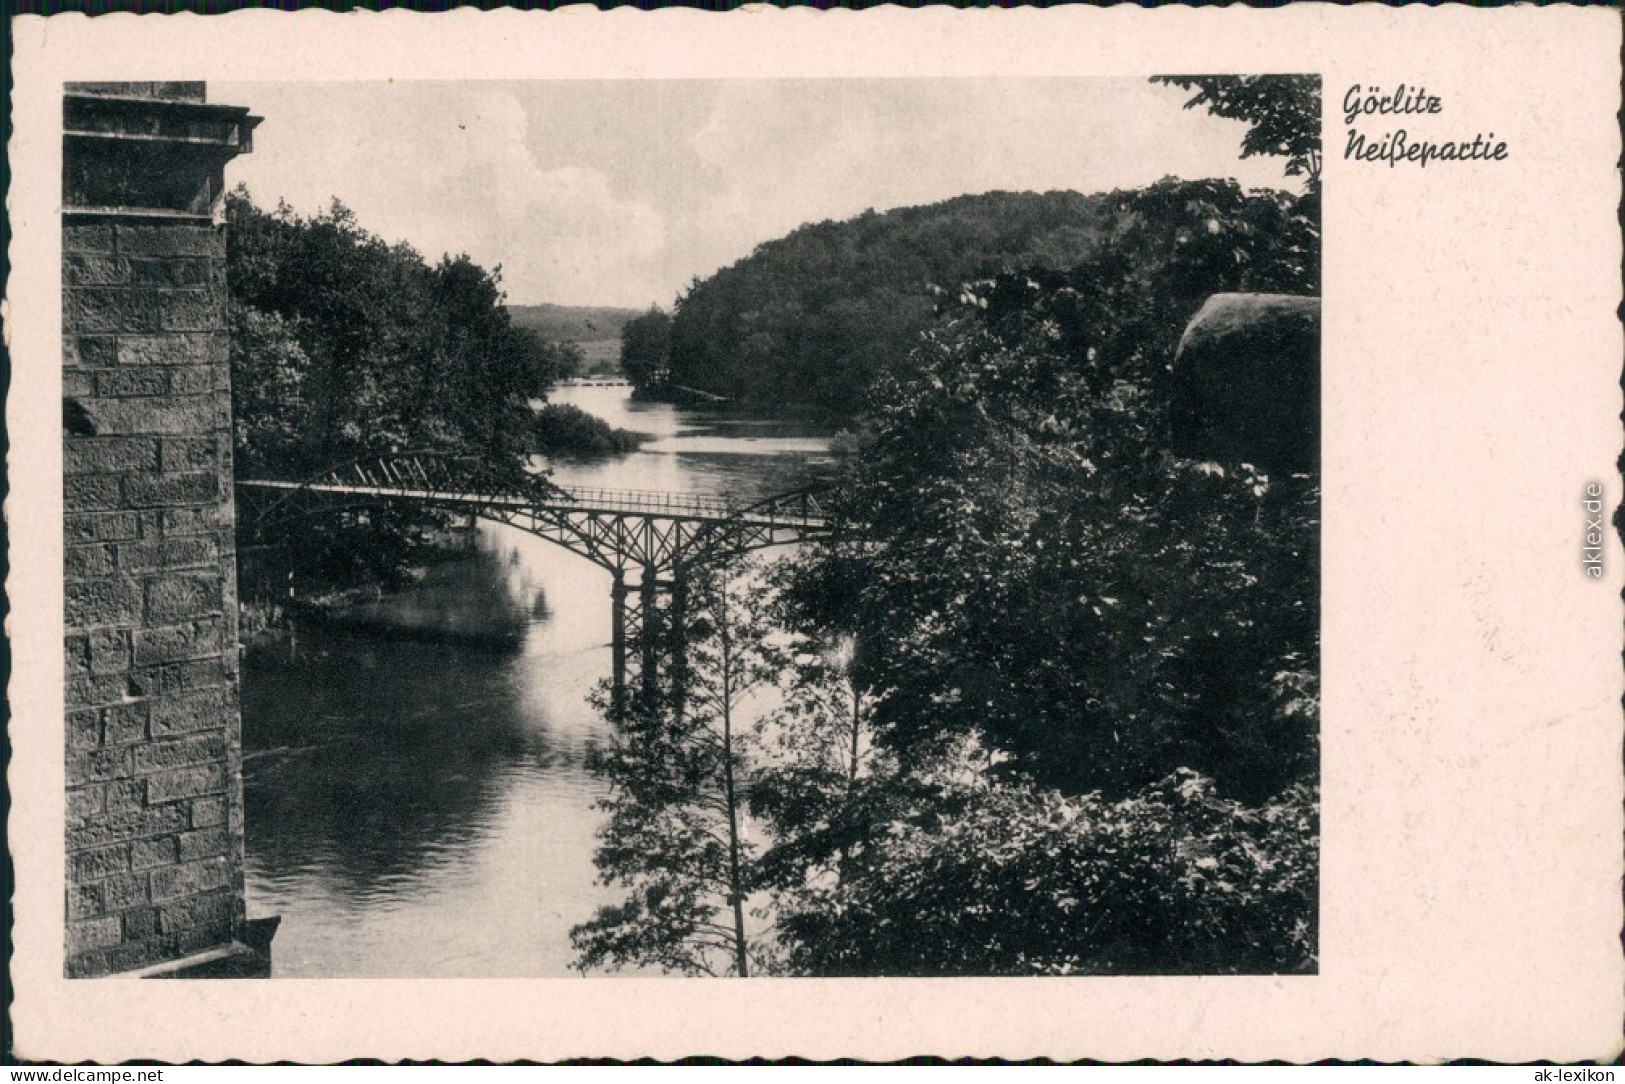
[426, 605]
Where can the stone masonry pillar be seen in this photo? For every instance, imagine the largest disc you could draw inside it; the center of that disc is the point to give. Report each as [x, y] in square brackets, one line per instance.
[154, 745]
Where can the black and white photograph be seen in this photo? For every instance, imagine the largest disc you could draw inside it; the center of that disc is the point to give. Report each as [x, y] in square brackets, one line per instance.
[1042, 534]
[753, 528]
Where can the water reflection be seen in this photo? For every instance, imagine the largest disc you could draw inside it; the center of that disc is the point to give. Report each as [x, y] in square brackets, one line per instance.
[415, 792]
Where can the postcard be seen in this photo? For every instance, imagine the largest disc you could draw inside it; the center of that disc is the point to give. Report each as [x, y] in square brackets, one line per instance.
[1069, 533]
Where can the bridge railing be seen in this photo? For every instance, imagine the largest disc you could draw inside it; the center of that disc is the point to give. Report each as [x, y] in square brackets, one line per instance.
[792, 507]
[463, 479]
[648, 500]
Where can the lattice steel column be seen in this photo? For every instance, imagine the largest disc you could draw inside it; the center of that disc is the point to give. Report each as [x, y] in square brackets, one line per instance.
[617, 605]
[649, 633]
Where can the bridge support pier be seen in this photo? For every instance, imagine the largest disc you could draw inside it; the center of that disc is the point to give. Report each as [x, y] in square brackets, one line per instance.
[677, 640]
[617, 642]
[649, 629]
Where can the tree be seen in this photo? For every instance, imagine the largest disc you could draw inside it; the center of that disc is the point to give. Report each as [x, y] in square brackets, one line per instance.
[811, 318]
[678, 768]
[1089, 676]
[269, 372]
[1076, 731]
[645, 347]
[344, 346]
[998, 877]
[1042, 573]
[1282, 113]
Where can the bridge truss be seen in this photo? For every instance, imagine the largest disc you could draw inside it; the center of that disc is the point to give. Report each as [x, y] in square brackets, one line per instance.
[650, 542]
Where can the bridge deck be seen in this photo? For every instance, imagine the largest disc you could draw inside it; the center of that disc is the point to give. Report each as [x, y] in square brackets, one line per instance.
[693, 507]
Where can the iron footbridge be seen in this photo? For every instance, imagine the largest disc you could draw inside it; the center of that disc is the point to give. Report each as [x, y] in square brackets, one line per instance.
[649, 541]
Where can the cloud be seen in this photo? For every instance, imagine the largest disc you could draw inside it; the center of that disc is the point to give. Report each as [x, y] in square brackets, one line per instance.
[448, 170]
[622, 192]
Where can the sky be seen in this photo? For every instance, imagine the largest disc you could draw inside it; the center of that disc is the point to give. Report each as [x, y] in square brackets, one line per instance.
[622, 192]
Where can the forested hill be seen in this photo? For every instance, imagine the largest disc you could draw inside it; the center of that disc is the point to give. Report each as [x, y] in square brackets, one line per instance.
[811, 317]
[571, 323]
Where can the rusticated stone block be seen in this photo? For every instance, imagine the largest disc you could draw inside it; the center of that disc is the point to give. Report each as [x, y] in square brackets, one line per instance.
[110, 455]
[87, 562]
[95, 690]
[86, 802]
[177, 350]
[97, 238]
[152, 853]
[98, 766]
[125, 890]
[172, 272]
[171, 240]
[135, 824]
[94, 270]
[110, 309]
[168, 553]
[207, 843]
[214, 910]
[85, 901]
[208, 519]
[175, 598]
[102, 602]
[124, 795]
[176, 643]
[169, 489]
[193, 712]
[84, 730]
[186, 783]
[180, 752]
[125, 723]
[93, 865]
[91, 493]
[94, 934]
[140, 924]
[124, 383]
[190, 879]
[208, 812]
[108, 650]
[76, 654]
[155, 416]
[196, 381]
[189, 310]
[110, 527]
[144, 682]
[91, 351]
[190, 453]
[182, 677]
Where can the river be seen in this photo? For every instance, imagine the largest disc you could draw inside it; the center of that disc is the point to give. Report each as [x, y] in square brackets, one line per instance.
[418, 805]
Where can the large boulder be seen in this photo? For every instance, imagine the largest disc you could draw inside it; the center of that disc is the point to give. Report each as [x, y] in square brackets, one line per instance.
[1246, 382]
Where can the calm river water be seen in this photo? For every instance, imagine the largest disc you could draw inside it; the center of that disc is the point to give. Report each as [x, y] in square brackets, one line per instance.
[419, 807]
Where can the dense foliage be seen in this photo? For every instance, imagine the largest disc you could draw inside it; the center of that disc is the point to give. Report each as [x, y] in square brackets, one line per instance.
[1004, 878]
[810, 318]
[1069, 587]
[645, 348]
[1052, 706]
[1282, 113]
[344, 346]
[567, 431]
